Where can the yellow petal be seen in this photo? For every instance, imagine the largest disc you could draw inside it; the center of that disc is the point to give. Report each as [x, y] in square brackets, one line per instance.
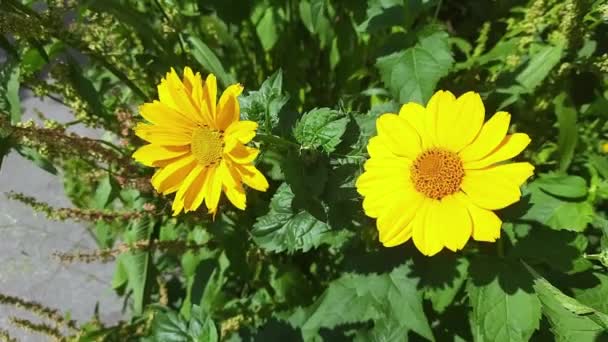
[162, 135]
[233, 188]
[180, 96]
[242, 154]
[486, 225]
[383, 180]
[491, 134]
[178, 201]
[398, 135]
[194, 82]
[167, 179]
[160, 114]
[440, 104]
[455, 222]
[210, 94]
[213, 192]
[189, 80]
[397, 218]
[377, 148]
[239, 131]
[511, 146]
[229, 110]
[416, 116]
[252, 177]
[460, 124]
[496, 187]
[195, 196]
[427, 229]
[391, 165]
[156, 155]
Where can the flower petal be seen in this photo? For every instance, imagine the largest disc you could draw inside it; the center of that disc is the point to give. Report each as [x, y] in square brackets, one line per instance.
[416, 115]
[229, 110]
[210, 95]
[378, 149]
[458, 126]
[178, 201]
[195, 196]
[214, 190]
[239, 131]
[511, 146]
[496, 187]
[427, 228]
[455, 223]
[486, 225]
[242, 154]
[162, 135]
[396, 219]
[156, 155]
[159, 113]
[440, 104]
[491, 134]
[398, 135]
[252, 177]
[168, 179]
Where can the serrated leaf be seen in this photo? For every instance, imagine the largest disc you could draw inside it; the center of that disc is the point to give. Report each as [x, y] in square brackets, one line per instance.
[445, 274]
[562, 185]
[570, 320]
[557, 213]
[390, 300]
[504, 307]
[539, 66]
[321, 128]
[596, 296]
[265, 104]
[288, 229]
[209, 61]
[169, 326]
[412, 75]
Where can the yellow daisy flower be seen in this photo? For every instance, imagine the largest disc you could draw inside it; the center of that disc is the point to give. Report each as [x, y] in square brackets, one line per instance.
[435, 174]
[198, 144]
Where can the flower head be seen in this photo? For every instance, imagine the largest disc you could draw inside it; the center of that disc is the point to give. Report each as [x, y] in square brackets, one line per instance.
[436, 174]
[198, 143]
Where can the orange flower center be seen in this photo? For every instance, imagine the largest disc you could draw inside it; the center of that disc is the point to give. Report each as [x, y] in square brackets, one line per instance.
[437, 173]
[207, 145]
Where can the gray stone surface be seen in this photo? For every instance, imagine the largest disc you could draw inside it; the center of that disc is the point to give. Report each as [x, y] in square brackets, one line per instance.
[28, 240]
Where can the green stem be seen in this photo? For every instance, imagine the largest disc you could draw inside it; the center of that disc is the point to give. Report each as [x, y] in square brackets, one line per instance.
[500, 248]
[277, 141]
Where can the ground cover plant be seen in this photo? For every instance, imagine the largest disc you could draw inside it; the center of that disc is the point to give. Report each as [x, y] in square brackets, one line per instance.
[323, 170]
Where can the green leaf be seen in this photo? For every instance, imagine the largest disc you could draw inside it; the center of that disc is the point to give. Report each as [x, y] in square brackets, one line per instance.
[600, 163]
[85, 89]
[208, 60]
[313, 16]
[557, 213]
[539, 66]
[382, 14]
[106, 191]
[568, 132]
[562, 185]
[570, 320]
[33, 155]
[412, 75]
[286, 229]
[596, 296]
[169, 326]
[504, 306]
[264, 105]
[9, 90]
[390, 300]
[443, 279]
[135, 265]
[268, 23]
[321, 127]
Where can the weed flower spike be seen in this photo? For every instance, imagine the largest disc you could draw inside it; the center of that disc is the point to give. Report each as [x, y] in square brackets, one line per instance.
[436, 174]
[198, 144]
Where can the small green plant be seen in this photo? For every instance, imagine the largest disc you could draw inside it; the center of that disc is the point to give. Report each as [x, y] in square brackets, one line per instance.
[275, 237]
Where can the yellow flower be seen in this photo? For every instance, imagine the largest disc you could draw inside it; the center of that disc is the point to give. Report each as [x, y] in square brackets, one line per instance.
[435, 174]
[198, 145]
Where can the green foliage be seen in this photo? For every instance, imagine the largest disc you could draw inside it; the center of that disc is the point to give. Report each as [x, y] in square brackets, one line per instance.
[303, 262]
